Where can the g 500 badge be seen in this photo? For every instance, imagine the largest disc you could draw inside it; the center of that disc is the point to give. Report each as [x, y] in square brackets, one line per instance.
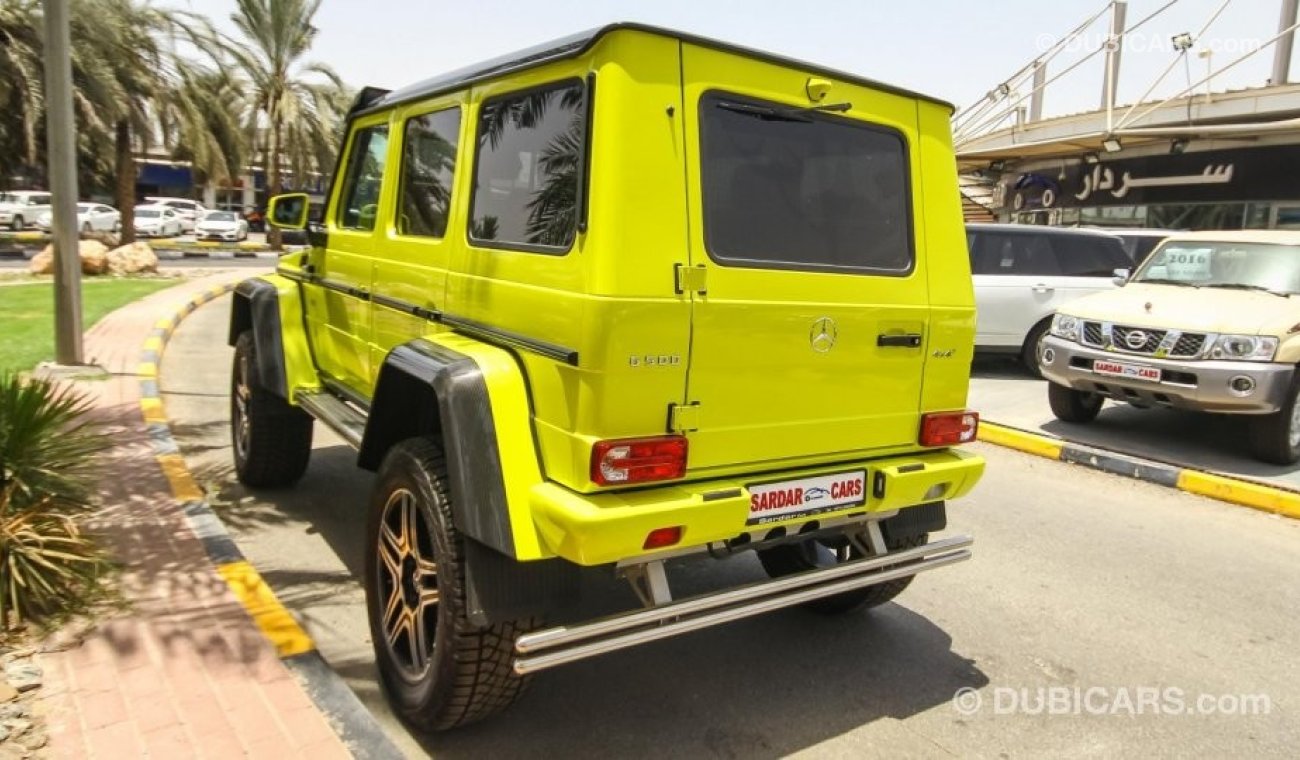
[654, 360]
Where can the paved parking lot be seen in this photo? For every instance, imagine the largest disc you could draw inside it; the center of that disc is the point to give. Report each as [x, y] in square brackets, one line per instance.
[1081, 581]
[1003, 392]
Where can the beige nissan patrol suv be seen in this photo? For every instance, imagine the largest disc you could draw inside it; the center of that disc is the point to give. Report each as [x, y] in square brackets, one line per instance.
[1209, 322]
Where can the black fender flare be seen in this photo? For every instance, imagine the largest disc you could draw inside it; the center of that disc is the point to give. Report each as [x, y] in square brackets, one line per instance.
[425, 389]
[256, 307]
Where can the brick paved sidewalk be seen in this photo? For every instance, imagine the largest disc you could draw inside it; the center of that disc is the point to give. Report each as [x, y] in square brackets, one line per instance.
[185, 672]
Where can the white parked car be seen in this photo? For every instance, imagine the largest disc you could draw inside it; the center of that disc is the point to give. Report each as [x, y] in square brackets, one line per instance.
[221, 225]
[91, 217]
[188, 211]
[1023, 273]
[157, 221]
[20, 208]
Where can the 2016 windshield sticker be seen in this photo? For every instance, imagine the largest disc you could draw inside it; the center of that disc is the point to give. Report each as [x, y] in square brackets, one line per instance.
[770, 502]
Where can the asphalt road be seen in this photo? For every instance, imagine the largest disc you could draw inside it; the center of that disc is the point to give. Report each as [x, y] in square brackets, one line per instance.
[1087, 593]
[1003, 391]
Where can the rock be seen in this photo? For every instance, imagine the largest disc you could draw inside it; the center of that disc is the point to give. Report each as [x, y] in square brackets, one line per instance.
[7, 694]
[12, 711]
[17, 726]
[94, 258]
[24, 676]
[4, 734]
[34, 741]
[133, 258]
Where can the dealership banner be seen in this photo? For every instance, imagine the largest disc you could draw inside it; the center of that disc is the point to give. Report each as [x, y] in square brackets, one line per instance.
[1216, 176]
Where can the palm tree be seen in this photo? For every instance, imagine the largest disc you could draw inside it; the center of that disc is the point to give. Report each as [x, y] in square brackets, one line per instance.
[297, 102]
[21, 95]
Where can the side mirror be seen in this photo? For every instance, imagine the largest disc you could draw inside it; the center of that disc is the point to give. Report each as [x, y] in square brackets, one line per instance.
[1121, 277]
[289, 212]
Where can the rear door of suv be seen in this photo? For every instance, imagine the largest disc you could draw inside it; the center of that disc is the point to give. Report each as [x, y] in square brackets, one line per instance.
[809, 325]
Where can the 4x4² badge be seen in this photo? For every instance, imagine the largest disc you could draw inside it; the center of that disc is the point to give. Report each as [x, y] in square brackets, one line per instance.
[823, 334]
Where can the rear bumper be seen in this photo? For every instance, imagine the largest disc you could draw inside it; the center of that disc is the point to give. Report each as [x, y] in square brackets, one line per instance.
[1198, 385]
[594, 529]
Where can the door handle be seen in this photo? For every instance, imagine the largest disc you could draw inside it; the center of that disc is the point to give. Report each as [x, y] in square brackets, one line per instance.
[904, 340]
[1043, 288]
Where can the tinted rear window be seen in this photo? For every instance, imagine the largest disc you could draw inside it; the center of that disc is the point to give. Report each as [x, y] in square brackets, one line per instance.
[1020, 253]
[802, 190]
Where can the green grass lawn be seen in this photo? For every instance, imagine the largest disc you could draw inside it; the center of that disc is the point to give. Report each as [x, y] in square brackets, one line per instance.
[27, 315]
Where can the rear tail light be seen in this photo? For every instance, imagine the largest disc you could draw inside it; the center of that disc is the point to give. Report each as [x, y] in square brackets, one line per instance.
[661, 537]
[949, 428]
[638, 460]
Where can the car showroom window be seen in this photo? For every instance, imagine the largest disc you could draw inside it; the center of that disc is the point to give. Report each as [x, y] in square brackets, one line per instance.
[428, 166]
[784, 188]
[359, 200]
[528, 175]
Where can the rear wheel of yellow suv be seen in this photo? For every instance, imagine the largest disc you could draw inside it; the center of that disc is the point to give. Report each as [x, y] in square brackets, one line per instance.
[441, 670]
[820, 553]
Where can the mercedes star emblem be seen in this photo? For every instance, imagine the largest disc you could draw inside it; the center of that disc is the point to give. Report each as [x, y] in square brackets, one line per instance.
[823, 334]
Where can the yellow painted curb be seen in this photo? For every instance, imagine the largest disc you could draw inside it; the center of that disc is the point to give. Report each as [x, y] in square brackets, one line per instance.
[147, 369]
[1020, 440]
[1240, 492]
[266, 610]
[178, 475]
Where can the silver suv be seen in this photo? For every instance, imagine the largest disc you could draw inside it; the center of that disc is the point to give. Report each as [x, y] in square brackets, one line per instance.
[21, 208]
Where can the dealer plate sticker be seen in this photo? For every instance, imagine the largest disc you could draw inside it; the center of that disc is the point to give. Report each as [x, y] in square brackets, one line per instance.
[769, 502]
[1126, 370]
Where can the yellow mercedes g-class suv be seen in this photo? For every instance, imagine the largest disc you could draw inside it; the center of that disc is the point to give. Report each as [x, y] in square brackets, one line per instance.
[621, 298]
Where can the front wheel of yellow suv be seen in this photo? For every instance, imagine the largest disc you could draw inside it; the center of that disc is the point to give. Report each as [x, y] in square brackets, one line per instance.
[440, 670]
[271, 438]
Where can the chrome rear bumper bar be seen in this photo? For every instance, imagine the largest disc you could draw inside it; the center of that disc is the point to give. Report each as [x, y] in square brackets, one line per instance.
[552, 647]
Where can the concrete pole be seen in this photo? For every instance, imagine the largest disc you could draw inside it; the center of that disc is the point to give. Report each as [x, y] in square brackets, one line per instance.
[1282, 53]
[1114, 45]
[62, 171]
[1036, 97]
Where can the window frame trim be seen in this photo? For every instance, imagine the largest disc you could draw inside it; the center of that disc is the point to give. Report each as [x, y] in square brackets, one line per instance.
[346, 158]
[401, 173]
[583, 168]
[816, 116]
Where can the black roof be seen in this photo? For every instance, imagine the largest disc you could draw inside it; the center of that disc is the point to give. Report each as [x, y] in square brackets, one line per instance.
[577, 44]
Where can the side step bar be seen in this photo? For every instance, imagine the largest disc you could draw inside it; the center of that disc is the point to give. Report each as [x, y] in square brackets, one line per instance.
[337, 414]
[552, 647]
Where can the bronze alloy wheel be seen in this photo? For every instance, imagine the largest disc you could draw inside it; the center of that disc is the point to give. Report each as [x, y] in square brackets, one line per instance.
[407, 577]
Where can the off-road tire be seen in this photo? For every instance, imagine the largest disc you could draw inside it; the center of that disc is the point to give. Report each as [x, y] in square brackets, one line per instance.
[17, 225]
[1029, 352]
[1070, 405]
[469, 673]
[1271, 434]
[273, 450]
[792, 558]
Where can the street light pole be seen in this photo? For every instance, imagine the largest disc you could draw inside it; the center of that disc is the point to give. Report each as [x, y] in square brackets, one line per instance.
[62, 171]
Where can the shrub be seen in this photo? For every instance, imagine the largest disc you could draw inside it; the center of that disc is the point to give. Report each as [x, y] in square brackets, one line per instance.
[48, 455]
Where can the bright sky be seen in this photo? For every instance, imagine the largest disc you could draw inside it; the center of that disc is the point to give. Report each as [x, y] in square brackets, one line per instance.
[953, 49]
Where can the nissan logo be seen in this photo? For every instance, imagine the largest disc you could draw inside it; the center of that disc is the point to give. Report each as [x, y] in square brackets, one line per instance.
[1136, 340]
[823, 334]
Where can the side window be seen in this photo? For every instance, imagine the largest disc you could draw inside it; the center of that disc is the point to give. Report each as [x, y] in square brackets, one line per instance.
[1012, 254]
[1089, 256]
[526, 183]
[359, 199]
[428, 165]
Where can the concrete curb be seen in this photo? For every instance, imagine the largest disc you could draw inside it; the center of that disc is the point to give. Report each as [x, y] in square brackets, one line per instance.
[1232, 490]
[351, 721]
